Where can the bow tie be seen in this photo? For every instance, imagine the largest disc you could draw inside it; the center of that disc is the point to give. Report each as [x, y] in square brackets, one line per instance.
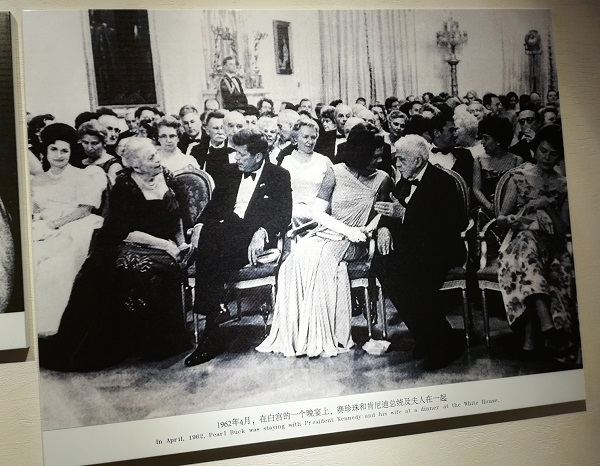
[403, 189]
[437, 150]
[250, 175]
[339, 136]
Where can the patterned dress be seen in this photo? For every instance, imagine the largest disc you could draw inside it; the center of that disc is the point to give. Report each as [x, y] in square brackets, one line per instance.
[127, 296]
[533, 261]
[313, 306]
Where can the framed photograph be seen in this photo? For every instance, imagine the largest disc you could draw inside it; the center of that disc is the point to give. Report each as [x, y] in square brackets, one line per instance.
[282, 33]
[326, 346]
[12, 305]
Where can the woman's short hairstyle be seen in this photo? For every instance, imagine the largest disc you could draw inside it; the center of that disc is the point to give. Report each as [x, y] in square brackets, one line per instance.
[552, 134]
[170, 122]
[93, 128]
[139, 111]
[499, 128]
[468, 122]
[263, 100]
[130, 150]
[58, 132]
[302, 122]
[360, 146]
[253, 139]
[327, 113]
[36, 124]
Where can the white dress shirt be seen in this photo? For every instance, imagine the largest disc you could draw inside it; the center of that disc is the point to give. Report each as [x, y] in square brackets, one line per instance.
[245, 192]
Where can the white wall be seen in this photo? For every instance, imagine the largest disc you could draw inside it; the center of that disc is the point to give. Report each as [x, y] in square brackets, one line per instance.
[564, 439]
[58, 55]
[55, 67]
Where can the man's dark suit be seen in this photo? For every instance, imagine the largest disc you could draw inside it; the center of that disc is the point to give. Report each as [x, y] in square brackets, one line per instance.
[214, 161]
[326, 144]
[233, 98]
[225, 237]
[426, 244]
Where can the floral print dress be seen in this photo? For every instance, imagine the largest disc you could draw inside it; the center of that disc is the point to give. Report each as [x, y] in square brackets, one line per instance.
[533, 261]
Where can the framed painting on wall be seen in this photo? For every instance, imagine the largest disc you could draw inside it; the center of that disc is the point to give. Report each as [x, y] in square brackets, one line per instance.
[283, 49]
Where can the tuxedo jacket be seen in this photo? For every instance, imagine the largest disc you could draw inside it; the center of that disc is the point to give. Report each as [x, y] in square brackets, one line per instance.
[326, 144]
[185, 141]
[283, 153]
[427, 241]
[232, 98]
[270, 206]
[214, 161]
[463, 164]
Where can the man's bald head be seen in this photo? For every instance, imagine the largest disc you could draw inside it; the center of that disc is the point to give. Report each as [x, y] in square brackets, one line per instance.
[351, 123]
[232, 123]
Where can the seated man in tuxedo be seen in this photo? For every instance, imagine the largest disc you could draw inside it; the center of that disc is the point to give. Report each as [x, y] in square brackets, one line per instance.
[192, 129]
[419, 241]
[214, 156]
[443, 149]
[244, 217]
[327, 145]
[230, 87]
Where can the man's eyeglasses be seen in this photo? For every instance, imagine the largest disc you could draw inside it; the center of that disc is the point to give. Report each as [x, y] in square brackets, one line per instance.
[526, 120]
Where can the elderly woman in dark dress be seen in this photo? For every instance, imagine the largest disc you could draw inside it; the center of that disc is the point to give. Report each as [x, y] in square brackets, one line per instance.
[127, 294]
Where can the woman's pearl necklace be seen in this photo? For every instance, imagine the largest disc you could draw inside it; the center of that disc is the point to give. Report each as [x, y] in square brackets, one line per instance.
[149, 185]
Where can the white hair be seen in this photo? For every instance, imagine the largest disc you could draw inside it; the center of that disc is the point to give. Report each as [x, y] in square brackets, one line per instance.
[413, 146]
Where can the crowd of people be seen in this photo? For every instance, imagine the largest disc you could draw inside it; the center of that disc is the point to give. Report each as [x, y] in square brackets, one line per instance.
[107, 214]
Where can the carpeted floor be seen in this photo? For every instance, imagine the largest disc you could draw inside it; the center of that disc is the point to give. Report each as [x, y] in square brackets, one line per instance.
[242, 377]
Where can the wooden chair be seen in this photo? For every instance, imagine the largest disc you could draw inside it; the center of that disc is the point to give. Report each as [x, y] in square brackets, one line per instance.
[456, 278]
[487, 275]
[195, 190]
[361, 278]
[256, 276]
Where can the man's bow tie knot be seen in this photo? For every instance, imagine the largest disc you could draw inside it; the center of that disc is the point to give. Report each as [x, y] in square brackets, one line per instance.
[437, 150]
[250, 174]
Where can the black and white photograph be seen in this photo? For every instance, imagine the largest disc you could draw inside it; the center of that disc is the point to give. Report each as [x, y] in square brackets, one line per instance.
[12, 304]
[230, 247]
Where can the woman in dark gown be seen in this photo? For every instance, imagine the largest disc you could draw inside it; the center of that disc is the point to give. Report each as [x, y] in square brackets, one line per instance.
[127, 294]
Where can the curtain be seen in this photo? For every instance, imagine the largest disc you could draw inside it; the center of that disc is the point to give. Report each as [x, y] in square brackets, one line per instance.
[233, 41]
[368, 53]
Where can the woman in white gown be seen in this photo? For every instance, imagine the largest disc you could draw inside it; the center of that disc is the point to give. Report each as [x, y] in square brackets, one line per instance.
[313, 306]
[63, 198]
[307, 169]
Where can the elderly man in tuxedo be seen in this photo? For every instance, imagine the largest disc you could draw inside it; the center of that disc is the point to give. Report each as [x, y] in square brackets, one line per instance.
[244, 217]
[214, 157]
[230, 87]
[419, 241]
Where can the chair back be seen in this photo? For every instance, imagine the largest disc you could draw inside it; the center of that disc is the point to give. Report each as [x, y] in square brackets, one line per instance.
[462, 189]
[195, 190]
[501, 190]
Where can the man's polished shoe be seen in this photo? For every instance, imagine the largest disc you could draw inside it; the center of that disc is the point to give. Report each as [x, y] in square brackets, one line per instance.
[207, 349]
[442, 357]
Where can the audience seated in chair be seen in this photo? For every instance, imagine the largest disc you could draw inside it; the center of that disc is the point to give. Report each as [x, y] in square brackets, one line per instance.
[313, 306]
[127, 295]
[245, 215]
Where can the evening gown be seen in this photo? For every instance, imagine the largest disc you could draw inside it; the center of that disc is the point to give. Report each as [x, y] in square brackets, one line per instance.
[313, 306]
[534, 261]
[126, 296]
[66, 248]
[306, 178]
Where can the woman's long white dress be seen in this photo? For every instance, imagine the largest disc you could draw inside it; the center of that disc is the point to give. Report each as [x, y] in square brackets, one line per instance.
[58, 254]
[313, 306]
